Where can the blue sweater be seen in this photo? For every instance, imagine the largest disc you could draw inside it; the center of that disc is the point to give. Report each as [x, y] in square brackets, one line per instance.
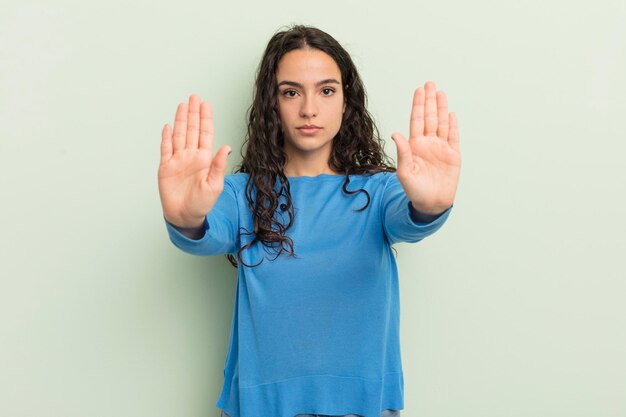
[320, 333]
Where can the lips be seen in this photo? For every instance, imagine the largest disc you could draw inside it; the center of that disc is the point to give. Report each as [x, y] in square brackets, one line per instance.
[309, 129]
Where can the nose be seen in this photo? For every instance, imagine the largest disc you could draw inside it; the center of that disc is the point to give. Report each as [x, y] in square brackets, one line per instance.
[309, 107]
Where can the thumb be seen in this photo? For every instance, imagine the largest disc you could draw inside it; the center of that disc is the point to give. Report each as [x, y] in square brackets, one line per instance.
[218, 165]
[404, 150]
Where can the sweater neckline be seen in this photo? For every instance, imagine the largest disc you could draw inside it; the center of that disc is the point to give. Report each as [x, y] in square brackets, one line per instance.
[316, 177]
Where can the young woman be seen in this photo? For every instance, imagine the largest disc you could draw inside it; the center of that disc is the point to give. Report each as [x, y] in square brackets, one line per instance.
[309, 218]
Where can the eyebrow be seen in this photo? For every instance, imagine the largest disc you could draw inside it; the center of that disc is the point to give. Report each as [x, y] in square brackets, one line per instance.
[295, 84]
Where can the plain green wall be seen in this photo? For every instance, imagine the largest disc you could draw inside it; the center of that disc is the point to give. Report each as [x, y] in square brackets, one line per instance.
[514, 308]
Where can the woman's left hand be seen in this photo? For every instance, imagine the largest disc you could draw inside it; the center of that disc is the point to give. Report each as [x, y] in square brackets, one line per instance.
[429, 163]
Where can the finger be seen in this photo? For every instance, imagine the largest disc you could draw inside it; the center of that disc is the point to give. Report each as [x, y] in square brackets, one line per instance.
[417, 114]
[405, 157]
[442, 115]
[193, 122]
[218, 166]
[166, 144]
[454, 132]
[180, 128]
[206, 126]
[430, 111]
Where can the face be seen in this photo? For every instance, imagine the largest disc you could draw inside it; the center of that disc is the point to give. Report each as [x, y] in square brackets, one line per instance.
[310, 92]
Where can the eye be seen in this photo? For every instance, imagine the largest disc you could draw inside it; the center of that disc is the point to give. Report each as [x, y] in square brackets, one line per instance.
[286, 92]
[329, 89]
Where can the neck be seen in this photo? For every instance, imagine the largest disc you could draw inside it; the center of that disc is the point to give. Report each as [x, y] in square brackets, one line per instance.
[308, 173]
[310, 168]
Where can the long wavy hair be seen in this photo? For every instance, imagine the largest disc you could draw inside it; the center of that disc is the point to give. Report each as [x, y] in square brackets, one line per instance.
[356, 149]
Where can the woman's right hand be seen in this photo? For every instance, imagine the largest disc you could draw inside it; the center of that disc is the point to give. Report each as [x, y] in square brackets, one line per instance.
[191, 178]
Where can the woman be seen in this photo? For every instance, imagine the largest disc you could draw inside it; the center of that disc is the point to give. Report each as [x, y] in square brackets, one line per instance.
[315, 327]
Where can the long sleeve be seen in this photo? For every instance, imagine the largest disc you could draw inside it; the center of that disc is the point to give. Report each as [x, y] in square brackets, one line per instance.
[401, 222]
[221, 227]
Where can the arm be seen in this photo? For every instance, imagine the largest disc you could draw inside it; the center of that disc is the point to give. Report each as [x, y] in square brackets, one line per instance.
[429, 163]
[191, 181]
[401, 221]
[423, 217]
[194, 233]
[218, 233]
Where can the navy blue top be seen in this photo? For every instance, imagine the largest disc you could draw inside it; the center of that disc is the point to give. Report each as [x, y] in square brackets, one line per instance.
[319, 333]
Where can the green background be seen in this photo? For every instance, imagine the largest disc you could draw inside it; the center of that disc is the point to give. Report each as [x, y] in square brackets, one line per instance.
[514, 308]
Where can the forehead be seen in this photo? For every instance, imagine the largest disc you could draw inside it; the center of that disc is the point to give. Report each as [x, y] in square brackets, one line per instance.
[307, 66]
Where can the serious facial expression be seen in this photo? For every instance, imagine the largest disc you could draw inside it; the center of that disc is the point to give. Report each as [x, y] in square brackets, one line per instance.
[310, 101]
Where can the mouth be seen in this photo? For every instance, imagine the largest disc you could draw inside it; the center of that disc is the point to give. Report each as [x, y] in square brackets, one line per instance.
[309, 130]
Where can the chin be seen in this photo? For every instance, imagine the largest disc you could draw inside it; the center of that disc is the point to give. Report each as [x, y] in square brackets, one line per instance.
[312, 144]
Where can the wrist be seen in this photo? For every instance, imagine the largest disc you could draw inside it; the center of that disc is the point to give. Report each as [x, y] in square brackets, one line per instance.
[429, 210]
[187, 225]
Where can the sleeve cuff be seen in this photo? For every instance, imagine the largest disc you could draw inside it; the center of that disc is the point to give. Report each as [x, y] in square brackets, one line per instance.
[419, 217]
[179, 230]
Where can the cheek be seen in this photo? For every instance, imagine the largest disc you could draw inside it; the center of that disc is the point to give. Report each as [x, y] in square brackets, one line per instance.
[283, 116]
[338, 111]
[285, 113]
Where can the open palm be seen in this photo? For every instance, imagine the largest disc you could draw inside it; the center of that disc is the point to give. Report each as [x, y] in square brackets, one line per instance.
[429, 163]
[191, 178]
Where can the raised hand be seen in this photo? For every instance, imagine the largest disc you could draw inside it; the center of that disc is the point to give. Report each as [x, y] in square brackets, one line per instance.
[429, 163]
[191, 178]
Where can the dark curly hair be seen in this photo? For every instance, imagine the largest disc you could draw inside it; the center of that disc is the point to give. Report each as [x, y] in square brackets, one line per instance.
[356, 149]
